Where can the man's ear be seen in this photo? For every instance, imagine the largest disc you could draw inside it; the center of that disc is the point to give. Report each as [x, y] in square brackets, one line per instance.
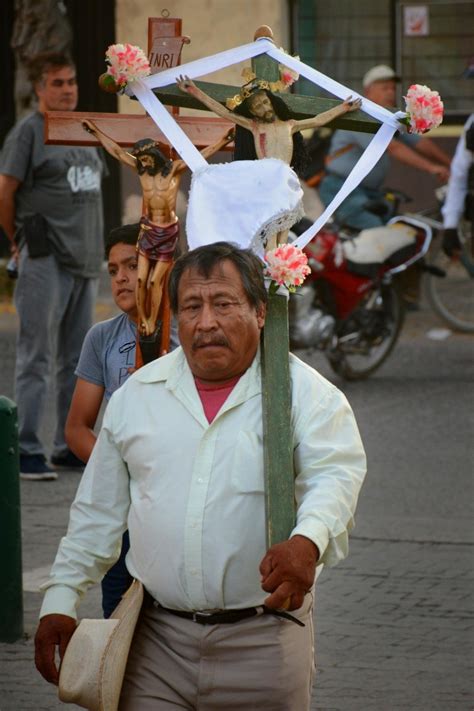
[37, 87]
[261, 314]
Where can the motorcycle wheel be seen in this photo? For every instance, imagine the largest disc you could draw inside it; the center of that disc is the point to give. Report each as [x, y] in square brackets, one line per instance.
[367, 337]
[452, 296]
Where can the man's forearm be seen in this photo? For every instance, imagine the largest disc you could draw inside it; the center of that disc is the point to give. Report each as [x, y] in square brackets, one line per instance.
[7, 215]
[434, 152]
[415, 159]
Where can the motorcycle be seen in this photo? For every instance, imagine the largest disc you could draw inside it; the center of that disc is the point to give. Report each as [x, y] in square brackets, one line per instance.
[349, 306]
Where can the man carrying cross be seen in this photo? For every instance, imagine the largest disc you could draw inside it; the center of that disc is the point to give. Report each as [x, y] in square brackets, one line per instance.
[226, 622]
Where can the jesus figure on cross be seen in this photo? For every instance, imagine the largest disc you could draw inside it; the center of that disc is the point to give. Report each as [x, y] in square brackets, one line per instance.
[259, 111]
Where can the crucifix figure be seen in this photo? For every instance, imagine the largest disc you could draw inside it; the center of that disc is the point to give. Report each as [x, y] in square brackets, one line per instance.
[266, 116]
[265, 127]
[159, 229]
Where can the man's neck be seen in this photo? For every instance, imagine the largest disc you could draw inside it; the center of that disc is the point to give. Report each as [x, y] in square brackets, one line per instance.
[216, 384]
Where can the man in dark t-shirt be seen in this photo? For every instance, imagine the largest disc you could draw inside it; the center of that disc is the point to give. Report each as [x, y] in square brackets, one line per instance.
[51, 210]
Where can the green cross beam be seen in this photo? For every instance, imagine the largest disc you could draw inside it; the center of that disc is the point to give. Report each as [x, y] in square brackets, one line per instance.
[267, 68]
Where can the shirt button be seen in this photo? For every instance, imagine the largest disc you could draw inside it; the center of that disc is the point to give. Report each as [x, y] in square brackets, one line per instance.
[194, 571]
[200, 481]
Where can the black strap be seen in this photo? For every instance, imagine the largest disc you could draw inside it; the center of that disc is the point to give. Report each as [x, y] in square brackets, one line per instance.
[228, 617]
[285, 615]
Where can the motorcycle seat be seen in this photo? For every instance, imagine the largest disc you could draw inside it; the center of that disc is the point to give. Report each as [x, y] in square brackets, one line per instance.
[371, 248]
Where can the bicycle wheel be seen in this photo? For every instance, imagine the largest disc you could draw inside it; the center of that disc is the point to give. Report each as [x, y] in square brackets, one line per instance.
[452, 295]
[367, 337]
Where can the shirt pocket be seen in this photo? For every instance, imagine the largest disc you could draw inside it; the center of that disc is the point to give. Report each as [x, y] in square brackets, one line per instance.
[247, 474]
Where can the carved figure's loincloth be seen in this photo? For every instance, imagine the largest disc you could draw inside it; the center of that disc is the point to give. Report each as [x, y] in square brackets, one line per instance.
[155, 242]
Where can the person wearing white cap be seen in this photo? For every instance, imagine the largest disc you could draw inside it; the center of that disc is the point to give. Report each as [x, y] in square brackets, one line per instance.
[379, 85]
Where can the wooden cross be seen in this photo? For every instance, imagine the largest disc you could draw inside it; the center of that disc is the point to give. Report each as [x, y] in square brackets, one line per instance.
[66, 128]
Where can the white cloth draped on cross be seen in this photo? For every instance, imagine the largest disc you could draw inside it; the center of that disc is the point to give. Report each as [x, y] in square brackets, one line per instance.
[197, 233]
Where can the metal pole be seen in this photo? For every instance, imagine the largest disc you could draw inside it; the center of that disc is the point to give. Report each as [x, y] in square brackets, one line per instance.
[11, 592]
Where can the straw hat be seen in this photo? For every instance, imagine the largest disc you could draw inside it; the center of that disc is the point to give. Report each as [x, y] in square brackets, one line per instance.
[93, 665]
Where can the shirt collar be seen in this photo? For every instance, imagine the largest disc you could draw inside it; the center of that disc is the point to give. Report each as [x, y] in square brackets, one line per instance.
[174, 371]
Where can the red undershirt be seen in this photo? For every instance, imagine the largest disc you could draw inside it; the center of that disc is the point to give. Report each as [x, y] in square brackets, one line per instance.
[214, 396]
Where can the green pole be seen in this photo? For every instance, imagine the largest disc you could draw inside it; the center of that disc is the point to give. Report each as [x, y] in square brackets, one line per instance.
[276, 392]
[277, 437]
[11, 592]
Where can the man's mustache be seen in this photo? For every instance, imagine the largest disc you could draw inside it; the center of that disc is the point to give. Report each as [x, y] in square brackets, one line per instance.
[203, 341]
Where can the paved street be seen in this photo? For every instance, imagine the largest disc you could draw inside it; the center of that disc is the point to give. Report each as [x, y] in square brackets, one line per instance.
[394, 623]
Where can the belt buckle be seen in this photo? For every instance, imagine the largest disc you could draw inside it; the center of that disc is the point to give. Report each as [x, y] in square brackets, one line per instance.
[202, 617]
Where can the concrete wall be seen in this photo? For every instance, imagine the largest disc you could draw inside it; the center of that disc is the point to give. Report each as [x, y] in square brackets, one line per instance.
[213, 26]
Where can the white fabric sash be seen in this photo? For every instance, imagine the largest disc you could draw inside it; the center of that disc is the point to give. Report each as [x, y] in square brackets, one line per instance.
[142, 89]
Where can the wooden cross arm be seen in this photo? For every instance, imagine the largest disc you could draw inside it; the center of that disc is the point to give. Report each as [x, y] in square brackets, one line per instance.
[65, 128]
[302, 106]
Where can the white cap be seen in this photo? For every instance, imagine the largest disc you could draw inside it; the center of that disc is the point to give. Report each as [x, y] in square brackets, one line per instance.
[379, 73]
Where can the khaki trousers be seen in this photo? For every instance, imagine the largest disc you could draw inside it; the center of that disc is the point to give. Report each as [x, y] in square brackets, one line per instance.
[263, 662]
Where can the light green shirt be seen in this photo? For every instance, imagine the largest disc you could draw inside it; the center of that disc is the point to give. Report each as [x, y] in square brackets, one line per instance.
[192, 493]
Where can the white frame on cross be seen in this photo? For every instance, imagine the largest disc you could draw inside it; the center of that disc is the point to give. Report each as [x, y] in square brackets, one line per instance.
[142, 90]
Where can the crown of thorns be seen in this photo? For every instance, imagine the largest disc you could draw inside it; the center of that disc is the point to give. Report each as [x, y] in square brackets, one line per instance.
[287, 77]
[145, 145]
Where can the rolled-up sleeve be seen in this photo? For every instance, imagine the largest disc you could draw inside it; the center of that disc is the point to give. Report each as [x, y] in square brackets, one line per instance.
[97, 521]
[330, 467]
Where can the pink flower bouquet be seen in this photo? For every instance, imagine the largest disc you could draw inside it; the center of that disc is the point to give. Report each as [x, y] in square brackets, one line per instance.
[424, 109]
[126, 63]
[286, 266]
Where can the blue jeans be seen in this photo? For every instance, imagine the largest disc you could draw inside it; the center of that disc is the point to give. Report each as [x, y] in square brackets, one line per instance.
[55, 311]
[353, 211]
[117, 580]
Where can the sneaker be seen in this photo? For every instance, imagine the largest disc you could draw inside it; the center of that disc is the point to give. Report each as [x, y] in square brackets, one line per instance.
[34, 468]
[67, 461]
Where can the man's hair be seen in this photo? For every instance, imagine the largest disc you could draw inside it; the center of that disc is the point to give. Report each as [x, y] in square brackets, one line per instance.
[244, 140]
[42, 63]
[147, 146]
[126, 234]
[204, 259]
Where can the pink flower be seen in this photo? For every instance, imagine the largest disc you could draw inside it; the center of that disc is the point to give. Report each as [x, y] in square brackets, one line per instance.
[286, 266]
[288, 76]
[126, 63]
[424, 109]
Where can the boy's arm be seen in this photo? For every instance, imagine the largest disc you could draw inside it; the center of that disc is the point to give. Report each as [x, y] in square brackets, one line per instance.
[85, 406]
